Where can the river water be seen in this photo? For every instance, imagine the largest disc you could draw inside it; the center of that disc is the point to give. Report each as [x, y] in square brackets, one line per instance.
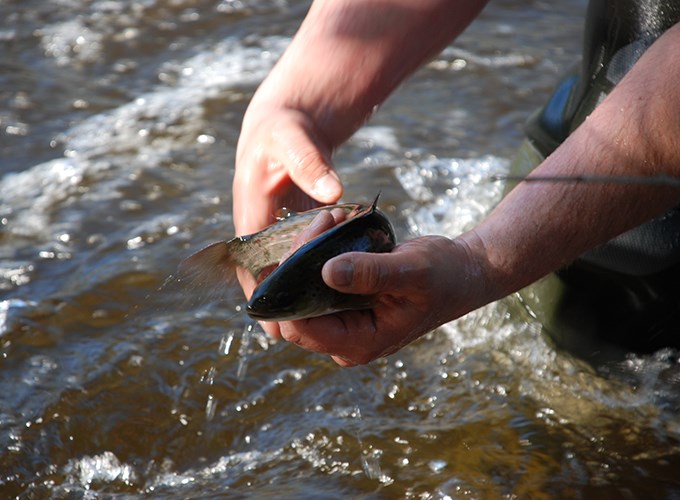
[118, 126]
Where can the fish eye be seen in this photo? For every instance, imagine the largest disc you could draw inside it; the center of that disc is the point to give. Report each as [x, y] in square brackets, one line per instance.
[258, 303]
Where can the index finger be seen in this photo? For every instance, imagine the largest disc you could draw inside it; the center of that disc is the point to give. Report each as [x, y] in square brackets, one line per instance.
[324, 220]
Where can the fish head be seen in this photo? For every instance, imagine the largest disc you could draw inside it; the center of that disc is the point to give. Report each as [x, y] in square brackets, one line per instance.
[267, 305]
[278, 304]
[282, 305]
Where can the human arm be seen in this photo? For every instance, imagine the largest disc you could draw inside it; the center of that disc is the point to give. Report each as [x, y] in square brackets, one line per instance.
[346, 58]
[537, 228]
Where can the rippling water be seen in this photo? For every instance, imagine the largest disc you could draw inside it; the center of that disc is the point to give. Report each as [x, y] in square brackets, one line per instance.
[118, 125]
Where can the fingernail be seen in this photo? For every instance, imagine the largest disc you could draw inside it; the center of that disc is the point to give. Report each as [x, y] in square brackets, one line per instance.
[343, 272]
[326, 186]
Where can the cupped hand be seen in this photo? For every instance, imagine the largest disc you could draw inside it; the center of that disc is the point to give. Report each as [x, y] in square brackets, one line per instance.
[325, 220]
[281, 161]
[420, 285]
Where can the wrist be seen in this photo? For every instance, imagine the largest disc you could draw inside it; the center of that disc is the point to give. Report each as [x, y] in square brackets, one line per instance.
[459, 276]
[483, 280]
[332, 113]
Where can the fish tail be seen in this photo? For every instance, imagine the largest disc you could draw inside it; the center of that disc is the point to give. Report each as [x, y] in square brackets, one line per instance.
[212, 266]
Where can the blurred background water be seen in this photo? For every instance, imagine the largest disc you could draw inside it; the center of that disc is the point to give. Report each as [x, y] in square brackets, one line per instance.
[118, 126]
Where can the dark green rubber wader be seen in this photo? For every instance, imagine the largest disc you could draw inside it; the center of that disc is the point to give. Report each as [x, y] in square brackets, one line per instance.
[599, 314]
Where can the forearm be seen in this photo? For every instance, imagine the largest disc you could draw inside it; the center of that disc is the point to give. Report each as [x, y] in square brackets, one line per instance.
[540, 227]
[349, 55]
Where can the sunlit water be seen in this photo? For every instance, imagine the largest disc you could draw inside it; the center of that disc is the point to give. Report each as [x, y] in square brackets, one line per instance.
[118, 124]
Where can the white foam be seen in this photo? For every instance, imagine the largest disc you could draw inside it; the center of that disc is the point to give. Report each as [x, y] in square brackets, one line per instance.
[6, 308]
[171, 115]
[14, 274]
[454, 57]
[452, 194]
[233, 465]
[31, 196]
[374, 137]
[104, 468]
[71, 41]
[137, 135]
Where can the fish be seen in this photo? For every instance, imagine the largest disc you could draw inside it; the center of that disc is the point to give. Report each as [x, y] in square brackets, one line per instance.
[294, 289]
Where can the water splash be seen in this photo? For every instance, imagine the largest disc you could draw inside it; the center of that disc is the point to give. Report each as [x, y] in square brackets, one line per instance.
[370, 456]
[244, 351]
[208, 379]
[451, 195]
[7, 309]
[105, 468]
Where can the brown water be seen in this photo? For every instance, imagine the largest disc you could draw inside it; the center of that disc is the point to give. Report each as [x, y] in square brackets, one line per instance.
[118, 123]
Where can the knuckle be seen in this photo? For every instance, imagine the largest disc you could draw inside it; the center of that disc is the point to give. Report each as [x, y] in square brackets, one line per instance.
[291, 335]
[308, 164]
[376, 275]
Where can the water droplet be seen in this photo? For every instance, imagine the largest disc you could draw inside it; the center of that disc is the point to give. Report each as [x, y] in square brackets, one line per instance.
[210, 407]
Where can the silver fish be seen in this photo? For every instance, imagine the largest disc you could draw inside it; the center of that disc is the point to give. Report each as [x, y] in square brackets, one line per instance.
[294, 289]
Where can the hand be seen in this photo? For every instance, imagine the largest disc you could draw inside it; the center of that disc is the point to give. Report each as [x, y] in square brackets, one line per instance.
[422, 284]
[345, 60]
[324, 221]
[280, 162]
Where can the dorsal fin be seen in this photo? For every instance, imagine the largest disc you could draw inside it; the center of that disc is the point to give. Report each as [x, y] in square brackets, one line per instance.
[374, 205]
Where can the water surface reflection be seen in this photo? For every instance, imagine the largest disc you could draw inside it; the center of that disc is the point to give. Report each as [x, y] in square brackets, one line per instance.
[118, 126]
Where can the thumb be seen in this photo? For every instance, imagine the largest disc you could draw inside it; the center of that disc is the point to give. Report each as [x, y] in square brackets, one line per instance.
[307, 161]
[367, 273]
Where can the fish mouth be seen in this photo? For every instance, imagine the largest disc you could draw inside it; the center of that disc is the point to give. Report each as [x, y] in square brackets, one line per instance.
[269, 315]
[287, 314]
[257, 315]
[279, 306]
